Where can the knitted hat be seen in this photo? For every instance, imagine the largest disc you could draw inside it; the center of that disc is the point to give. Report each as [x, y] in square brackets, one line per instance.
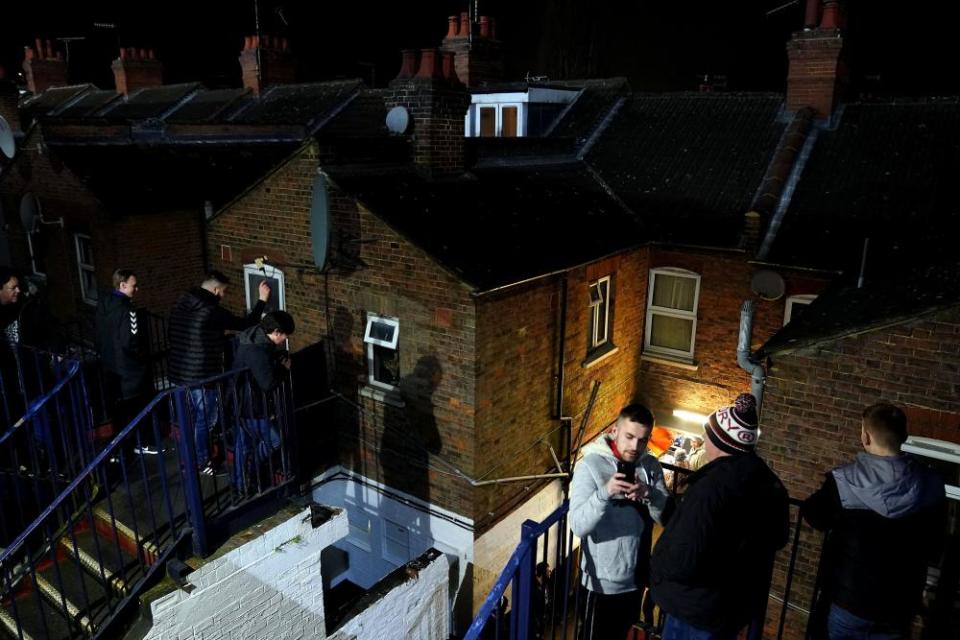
[734, 429]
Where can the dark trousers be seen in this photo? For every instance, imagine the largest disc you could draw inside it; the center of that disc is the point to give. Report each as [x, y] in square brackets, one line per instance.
[125, 407]
[608, 616]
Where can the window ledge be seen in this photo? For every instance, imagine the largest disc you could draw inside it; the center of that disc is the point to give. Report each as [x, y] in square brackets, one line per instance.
[599, 356]
[687, 365]
[382, 395]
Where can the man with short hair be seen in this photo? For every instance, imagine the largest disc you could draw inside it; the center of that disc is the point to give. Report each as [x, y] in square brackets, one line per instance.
[259, 349]
[711, 567]
[698, 455]
[196, 333]
[613, 485]
[885, 512]
[121, 335]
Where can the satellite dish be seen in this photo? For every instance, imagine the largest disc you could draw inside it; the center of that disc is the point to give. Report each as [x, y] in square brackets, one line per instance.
[7, 145]
[768, 285]
[30, 212]
[320, 220]
[398, 120]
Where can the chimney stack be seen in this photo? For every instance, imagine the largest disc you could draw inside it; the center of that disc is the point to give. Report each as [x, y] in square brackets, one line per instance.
[135, 69]
[44, 67]
[427, 86]
[479, 59]
[266, 61]
[9, 99]
[817, 75]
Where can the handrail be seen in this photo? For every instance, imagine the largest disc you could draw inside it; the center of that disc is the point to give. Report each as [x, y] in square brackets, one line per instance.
[40, 403]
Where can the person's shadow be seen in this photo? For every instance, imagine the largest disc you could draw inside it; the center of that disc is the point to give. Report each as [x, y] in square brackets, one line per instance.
[410, 431]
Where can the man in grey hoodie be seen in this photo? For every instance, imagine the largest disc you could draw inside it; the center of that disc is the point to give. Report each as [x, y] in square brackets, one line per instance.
[885, 513]
[607, 513]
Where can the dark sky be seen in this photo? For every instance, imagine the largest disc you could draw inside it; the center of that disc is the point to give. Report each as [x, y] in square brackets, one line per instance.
[894, 48]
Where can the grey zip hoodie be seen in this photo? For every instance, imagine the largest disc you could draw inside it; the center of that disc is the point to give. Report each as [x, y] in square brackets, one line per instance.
[609, 529]
[890, 486]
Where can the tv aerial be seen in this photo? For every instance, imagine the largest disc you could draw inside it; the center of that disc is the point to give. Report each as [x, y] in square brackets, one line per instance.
[7, 144]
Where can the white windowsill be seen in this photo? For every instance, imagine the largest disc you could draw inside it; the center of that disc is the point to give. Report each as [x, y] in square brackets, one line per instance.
[686, 365]
[391, 398]
[595, 360]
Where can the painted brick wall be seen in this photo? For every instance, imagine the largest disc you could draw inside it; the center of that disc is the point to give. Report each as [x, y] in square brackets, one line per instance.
[815, 397]
[270, 587]
[373, 269]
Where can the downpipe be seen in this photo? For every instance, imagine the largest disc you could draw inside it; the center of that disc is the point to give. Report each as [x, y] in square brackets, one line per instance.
[747, 363]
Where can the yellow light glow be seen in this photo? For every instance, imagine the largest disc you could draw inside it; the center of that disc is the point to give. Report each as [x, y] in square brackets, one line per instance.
[690, 416]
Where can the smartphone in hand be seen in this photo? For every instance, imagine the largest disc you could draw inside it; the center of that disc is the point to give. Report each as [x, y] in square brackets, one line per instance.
[628, 469]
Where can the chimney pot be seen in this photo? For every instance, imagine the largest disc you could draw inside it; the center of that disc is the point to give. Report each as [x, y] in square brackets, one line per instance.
[429, 67]
[50, 53]
[408, 65]
[40, 51]
[151, 54]
[452, 27]
[812, 15]
[284, 44]
[143, 54]
[484, 27]
[464, 24]
[449, 67]
[831, 15]
[123, 54]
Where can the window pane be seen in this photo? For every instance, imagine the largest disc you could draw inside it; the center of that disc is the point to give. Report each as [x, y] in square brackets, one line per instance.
[386, 365]
[84, 251]
[797, 307]
[674, 292]
[671, 333]
[253, 287]
[381, 331]
[509, 122]
[89, 285]
[488, 122]
[600, 324]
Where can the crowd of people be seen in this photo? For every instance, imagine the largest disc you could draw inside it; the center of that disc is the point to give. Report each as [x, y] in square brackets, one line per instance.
[710, 570]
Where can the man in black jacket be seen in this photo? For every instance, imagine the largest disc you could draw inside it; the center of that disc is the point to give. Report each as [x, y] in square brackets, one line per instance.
[711, 568]
[885, 514]
[197, 323]
[259, 350]
[124, 349]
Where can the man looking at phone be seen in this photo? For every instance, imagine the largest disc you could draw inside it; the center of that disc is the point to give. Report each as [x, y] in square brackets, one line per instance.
[614, 484]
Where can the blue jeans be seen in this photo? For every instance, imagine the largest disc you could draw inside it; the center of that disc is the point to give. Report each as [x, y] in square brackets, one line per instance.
[843, 625]
[677, 629]
[204, 413]
[257, 439]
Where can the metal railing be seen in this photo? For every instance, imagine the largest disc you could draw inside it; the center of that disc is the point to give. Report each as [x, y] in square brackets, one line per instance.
[86, 554]
[533, 599]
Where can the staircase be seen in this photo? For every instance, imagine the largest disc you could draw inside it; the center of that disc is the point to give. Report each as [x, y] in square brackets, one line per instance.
[95, 527]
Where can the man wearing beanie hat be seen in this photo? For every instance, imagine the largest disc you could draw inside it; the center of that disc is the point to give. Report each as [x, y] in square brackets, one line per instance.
[607, 512]
[711, 567]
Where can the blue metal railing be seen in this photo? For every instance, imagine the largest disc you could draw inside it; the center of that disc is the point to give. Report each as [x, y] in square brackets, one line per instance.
[107, 531]
[544, 604]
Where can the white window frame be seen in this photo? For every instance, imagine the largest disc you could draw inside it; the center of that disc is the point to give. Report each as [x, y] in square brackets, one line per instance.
[371, 342]
[33, 255]
[677, 354]
[83, 267]
[498, 126]
[252, 270]
[804, 299]
[604, 302]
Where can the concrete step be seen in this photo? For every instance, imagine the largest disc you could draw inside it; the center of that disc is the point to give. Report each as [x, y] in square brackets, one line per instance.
[104, 558]
[69, 586]
[38, 619]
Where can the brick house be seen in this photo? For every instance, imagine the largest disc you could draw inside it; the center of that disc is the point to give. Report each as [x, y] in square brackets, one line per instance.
[891, 340]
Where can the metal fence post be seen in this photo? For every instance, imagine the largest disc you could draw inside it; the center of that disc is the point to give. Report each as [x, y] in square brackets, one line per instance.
[193, 493]
[523, 598]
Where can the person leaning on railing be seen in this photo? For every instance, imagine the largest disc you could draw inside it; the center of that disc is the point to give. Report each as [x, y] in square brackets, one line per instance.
[711, 567]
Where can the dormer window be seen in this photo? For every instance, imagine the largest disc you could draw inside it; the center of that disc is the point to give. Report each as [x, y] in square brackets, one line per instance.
[498, 121]
[513, 114]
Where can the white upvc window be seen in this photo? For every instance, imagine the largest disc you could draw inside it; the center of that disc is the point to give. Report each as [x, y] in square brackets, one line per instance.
[599, 300]
[382, 337]
[671, 323]
[85, 267]
[795, 305]
[499, 120]
[253, 275]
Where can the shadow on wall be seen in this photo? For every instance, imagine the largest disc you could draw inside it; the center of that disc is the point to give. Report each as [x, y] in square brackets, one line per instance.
[346, 450]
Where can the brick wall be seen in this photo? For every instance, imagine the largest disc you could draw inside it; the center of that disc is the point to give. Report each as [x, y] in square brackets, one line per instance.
[815, 397]
[372, 269]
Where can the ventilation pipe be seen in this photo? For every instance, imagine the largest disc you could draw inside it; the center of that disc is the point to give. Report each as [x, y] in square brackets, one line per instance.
[755, 369]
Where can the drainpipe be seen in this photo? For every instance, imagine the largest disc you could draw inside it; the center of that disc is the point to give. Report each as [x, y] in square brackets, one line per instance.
[755, 369]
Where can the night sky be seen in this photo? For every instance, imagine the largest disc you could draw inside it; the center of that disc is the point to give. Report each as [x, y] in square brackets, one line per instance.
[894, 48]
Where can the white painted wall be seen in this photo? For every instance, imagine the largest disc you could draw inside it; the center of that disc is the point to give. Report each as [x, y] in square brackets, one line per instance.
[268, 588]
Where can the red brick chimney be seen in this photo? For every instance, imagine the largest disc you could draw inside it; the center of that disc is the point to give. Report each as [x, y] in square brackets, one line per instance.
[9, 99]
[428, 87]
[479, 59]
[136, 69]
[44, 67]
[266, 61]
[818, 73]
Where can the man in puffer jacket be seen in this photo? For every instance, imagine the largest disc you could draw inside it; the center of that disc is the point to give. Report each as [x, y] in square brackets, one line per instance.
[196, 347]
[885, 513]
[260, 351]
[606, 513]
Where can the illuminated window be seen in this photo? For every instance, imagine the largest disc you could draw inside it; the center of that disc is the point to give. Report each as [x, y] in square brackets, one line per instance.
[671, 325]
[601, 295]
[382, 337]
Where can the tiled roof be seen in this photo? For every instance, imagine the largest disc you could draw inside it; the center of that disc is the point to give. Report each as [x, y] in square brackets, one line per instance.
[501, 226]
[150, 102]
[206, 106]
[297, 104]
[846, 310]
[887, 173]
[689, 164]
